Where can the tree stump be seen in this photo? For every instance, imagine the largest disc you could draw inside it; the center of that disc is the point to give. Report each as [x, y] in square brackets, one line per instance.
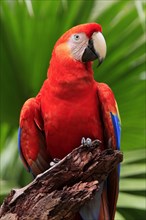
[59, 192]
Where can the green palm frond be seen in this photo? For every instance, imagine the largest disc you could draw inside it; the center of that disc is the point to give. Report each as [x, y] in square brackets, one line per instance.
[132, 185]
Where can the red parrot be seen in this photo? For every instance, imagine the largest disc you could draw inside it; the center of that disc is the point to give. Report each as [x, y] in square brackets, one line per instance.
[69, 106]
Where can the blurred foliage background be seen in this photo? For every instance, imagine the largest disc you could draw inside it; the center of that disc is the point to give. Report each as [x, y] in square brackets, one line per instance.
[29, 29]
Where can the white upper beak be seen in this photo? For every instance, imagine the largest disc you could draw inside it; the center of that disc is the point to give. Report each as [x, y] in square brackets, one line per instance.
[99, 45]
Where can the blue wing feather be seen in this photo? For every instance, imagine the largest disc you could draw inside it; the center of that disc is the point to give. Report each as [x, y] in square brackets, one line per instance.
[117, 129]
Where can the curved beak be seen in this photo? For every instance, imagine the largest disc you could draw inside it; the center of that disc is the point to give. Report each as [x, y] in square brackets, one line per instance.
[96, 48]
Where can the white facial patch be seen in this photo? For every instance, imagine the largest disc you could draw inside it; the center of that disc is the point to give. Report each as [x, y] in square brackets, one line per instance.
[78, 43]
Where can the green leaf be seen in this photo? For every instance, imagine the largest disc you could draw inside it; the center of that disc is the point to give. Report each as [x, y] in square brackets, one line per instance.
[132, 184]
[134, 156]
[118, 216]
[131, 201]
[132, 170]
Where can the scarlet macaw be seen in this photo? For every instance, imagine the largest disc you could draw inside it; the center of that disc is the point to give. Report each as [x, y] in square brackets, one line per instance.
[69, 106]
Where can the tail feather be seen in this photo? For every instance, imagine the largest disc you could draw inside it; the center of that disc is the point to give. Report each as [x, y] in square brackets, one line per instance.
[104, 210]
[91, 210]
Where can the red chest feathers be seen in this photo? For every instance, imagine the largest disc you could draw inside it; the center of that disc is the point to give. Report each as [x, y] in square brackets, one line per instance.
[66, 121]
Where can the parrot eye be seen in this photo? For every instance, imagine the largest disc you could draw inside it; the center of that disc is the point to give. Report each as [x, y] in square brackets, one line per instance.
[76, 37]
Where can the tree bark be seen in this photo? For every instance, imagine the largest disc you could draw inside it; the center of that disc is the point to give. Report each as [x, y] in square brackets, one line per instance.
[59, 192]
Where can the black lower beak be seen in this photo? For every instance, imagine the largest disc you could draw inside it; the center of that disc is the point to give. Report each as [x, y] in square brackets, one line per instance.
[89, 53]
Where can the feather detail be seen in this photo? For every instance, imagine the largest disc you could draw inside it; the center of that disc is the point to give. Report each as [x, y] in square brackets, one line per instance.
[31, 140]
[110, 115]
[104, 209]
[117, 129]
[20, 151]
[111, 124]
[92, 208]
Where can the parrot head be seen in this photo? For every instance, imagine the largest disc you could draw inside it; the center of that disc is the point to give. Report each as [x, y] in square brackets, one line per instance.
[75, 50]
[82, 43]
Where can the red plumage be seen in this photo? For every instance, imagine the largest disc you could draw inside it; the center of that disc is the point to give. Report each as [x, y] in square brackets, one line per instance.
[69, 106]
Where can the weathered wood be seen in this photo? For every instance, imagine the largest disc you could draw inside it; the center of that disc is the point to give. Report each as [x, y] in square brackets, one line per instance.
[59, 192]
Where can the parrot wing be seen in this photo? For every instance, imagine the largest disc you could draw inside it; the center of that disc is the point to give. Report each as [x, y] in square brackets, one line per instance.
[112, 132]
[31, 139]
[110, 116]
[103, 205]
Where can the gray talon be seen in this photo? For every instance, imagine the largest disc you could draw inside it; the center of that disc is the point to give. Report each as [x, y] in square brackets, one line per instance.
[87, 142]
[55, 161]
[83, 141]
[52, 164]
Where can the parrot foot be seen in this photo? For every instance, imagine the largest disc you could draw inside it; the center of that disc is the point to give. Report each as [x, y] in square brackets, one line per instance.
[55, 161]
[86, 142]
